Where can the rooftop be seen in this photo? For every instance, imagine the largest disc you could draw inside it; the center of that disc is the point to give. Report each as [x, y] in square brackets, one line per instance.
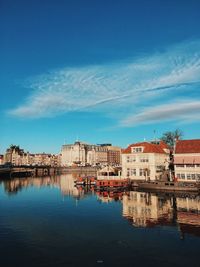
[187, 146]
[148, 147]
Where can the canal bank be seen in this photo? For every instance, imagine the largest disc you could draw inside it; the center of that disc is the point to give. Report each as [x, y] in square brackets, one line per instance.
[35, 171]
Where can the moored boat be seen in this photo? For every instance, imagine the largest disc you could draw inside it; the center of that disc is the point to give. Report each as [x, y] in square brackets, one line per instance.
[169, 186]
[114, 183]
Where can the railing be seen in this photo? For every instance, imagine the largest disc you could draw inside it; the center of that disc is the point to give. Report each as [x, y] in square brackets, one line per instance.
[109, 177]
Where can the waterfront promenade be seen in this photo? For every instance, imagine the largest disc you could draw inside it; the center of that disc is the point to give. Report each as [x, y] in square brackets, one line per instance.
[22, 171]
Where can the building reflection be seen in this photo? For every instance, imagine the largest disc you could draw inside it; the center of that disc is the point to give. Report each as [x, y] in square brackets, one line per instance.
[63, 182]
[109, 196]
[13, 186]
[188, 215]
[66, 184]
[144, 209]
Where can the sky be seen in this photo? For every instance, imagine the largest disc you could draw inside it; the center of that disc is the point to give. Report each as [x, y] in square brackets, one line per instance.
[99, 71]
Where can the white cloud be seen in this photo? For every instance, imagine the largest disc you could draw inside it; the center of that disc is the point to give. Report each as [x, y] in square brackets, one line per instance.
[183, 111]
[121, 87]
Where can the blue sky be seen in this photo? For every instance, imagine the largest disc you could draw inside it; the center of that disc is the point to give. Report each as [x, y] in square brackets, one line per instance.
[100, 71]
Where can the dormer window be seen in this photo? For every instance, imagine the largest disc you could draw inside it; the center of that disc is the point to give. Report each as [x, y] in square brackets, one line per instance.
[137, 149]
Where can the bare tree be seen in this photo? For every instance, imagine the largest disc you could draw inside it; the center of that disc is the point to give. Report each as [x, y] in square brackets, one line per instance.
[171, 137]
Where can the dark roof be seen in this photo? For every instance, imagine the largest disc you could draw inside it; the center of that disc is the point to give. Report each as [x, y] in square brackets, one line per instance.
[187, 146]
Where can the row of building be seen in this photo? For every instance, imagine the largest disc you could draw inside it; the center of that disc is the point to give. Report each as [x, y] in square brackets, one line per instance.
[18, 157]
[84, 154]
[139, 161]
[77, 154]
[151, 160]
[146, 160]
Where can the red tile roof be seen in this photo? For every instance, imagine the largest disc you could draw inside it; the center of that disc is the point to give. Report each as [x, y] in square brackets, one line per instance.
[187, 146]
[148, 148]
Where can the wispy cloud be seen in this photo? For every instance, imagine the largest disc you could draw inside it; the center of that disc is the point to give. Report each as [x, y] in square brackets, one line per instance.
[182, 111]
[126, 87]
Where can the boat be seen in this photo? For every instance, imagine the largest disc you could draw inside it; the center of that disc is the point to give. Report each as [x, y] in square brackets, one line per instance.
[169, 186]
[114, 183]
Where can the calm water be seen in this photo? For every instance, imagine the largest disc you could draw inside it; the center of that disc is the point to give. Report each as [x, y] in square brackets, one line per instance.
[49, 222]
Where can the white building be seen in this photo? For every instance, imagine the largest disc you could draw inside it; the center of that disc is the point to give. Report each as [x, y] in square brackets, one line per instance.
[187, 160]
[73, 154]
[144, 161]
[83, 154]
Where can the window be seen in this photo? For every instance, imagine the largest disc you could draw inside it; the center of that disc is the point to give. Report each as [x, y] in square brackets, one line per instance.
[137, 149]
[182, 176]
[198, 176]
[160, 168]
[142, 172]
[144, 159]
[178, 175]
[133, 172]
[188, 176]
[193, 176]
[130, 159]
[128, 172]
[133, 159]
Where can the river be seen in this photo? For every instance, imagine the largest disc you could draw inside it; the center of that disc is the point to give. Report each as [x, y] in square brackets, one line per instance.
[49, 222]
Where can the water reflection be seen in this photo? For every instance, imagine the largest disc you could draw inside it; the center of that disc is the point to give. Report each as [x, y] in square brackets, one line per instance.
[64, 182]
[146, 210]
[141, 209]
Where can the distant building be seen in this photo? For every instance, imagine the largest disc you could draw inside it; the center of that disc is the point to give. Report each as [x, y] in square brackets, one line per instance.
[101, 155]
[114, 155]
[74, 154]
[17, 157]
[187, 160]
[1, 160]
[144, 161]
[42, 159]
[14, 155]
[81, 153]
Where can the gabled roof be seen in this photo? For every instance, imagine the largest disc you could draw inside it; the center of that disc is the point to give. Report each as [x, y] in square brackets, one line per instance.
[187, 146]
[148, 148]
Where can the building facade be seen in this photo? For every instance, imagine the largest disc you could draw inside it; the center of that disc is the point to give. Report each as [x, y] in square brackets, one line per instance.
[1, 160]
[14, 155]
[17, 157]
[74, 154]
[145, 161]
[85, 154]
[187, 160]
[114, 155]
